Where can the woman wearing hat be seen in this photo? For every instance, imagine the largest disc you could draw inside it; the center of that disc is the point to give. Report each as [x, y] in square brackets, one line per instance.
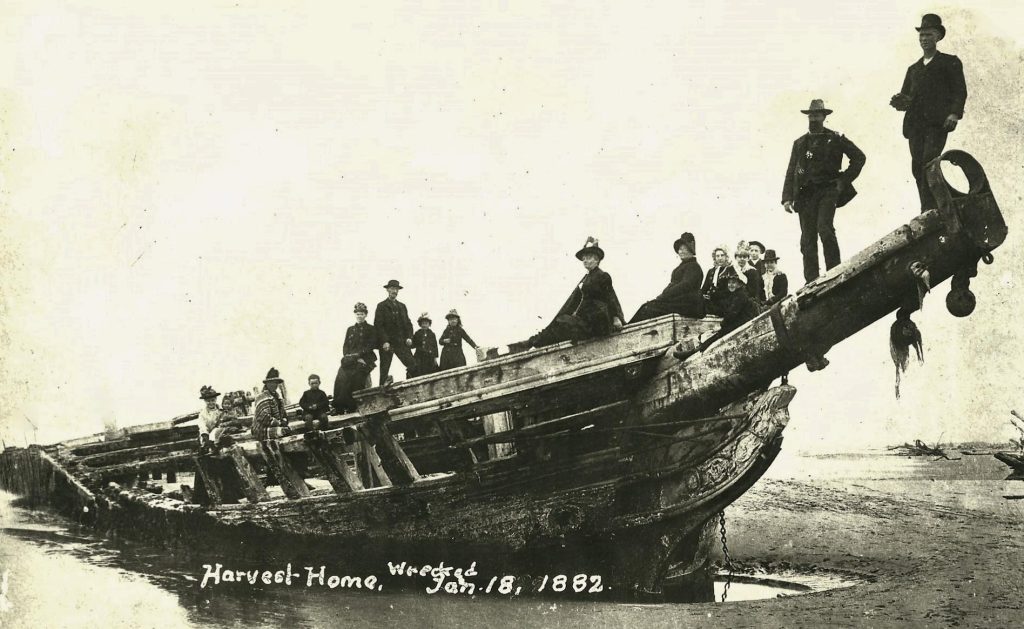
[715, 280]
[755, 287]
[735, 306]
[682, 296]
[425, 345]
[215, 424]
[451, 342]
[592, 309]
[361, 339]
[210, 417]
[776, 284]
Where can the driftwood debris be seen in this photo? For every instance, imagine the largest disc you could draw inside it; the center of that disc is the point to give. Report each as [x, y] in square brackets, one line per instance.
[1019, 441]
[920, 448]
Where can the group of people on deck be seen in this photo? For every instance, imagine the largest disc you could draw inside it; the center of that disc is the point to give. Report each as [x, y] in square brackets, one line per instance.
[734, 290]
[392, 335]
[933, 96]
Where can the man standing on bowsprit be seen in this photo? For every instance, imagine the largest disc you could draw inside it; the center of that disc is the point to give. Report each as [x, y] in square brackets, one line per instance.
[933, 95]
[394, 329]
[815, 187]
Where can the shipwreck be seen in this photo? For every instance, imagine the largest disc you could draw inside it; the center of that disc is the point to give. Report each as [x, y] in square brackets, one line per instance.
[610, 457]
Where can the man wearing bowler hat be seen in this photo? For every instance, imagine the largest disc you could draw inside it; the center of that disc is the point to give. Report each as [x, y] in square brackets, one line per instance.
[933, 95]
[394, 329]
[815, 186]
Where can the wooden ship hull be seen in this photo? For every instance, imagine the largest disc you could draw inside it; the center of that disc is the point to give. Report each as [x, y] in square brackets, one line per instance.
[607, 458]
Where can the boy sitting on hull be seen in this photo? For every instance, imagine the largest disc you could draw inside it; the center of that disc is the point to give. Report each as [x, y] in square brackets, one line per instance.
[315, 405]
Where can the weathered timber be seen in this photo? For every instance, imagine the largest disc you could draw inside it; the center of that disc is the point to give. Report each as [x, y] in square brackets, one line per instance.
[576, 420]
[209, 481]
[393, 459]
[131, 454]
[133, 437]
[120, 470]
[375, 469]
[849, 297]
[489, 386]
[338, 473]
[251, 486]
[292, 483]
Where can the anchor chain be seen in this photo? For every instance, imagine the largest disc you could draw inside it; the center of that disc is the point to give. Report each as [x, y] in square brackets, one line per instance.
[725, 554]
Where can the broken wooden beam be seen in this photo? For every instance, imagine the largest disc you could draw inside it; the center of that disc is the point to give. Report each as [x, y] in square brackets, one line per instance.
[252, 488]
[342, 478]
[393, 459]
[291, 482]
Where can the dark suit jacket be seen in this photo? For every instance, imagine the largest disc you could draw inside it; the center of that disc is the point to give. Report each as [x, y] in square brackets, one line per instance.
[825, 161]
[936, 91]
[391, 319]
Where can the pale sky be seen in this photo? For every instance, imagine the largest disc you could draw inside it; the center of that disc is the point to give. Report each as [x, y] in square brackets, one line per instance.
[191, 193]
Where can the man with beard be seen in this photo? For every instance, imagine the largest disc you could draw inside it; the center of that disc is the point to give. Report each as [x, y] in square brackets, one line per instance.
[815, 186]
[391, 320]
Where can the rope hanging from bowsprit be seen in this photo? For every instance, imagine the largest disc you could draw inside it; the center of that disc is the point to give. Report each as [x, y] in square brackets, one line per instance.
[902, 336]
[904, 333]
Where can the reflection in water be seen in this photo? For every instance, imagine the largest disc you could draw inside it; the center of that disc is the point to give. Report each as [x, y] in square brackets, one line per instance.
[63, 575]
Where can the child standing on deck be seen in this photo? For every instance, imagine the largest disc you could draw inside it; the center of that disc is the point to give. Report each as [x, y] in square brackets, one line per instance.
[425, 345]
[451, 341]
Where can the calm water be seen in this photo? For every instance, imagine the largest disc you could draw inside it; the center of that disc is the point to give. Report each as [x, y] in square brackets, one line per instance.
[60, 576]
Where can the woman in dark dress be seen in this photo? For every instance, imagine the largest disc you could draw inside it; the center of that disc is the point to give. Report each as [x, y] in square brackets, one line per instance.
[424, 344]
[451, 342]
[592, 309]
[682, 296]
[736, 307]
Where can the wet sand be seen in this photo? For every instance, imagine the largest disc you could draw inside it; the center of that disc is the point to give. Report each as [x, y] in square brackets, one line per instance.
[931, 564]
[941, 546]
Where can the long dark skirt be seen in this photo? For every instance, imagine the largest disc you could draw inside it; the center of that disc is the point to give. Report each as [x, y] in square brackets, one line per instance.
[564, 328]
[452, 357]
[348, 381]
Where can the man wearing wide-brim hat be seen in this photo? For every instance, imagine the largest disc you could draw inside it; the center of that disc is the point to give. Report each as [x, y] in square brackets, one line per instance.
[816, 185]
[269, 419]
[391, 319]
[933, 96]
